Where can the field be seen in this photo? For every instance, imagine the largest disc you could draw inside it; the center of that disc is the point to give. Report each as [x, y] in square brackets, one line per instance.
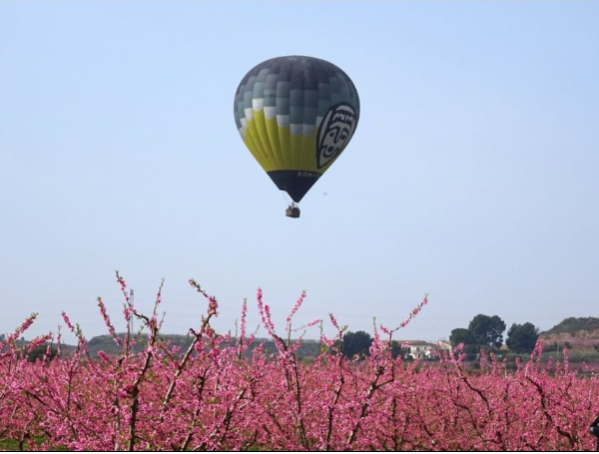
[212, 397]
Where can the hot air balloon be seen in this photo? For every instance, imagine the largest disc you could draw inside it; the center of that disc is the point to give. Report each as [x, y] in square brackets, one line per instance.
[296, 115]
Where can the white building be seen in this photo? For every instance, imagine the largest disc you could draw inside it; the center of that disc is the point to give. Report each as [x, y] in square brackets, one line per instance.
[425, 350]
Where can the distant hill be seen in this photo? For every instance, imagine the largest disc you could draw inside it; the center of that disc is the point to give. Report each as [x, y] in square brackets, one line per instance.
[577, 331]
[309, 348]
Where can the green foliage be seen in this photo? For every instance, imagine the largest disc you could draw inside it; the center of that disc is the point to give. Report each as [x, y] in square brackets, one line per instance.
[357, 343]
[487, 330]
[472, 352]
[396, 350]
[483, 332]
[22, 351]
[16, 445]
[39, 352]
[462, 335]
[10, 445]
[522, 338]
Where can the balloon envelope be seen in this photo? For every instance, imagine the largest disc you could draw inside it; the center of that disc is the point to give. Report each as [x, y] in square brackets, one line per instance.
[296, 115]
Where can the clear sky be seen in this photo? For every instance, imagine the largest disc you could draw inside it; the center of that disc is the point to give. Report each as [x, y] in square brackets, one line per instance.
[472, 174]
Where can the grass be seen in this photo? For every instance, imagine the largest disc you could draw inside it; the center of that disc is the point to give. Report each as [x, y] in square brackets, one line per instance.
[13, 445]
[9, 445]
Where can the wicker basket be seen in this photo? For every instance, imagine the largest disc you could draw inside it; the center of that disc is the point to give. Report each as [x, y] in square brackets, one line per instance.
[293, 212]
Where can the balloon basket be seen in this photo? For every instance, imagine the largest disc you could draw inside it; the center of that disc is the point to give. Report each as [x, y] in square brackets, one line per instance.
[292, 212]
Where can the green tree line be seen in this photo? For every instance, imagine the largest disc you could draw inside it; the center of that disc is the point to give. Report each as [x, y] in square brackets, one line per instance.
[486, 332]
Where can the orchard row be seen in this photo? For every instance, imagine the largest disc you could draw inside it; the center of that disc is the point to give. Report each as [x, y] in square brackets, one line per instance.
[213, 397]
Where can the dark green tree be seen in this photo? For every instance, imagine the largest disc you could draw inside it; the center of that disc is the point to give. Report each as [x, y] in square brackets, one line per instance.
[357, 343]
[487, 331]
[472, 352]
[462, 335]
[39, 352]
[522, 338]
[396, 350]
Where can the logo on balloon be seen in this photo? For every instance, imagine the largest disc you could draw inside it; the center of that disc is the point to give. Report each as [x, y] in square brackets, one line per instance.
[335, 132]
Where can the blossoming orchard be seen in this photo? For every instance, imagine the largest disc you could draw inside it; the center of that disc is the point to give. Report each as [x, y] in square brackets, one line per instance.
[217, 395]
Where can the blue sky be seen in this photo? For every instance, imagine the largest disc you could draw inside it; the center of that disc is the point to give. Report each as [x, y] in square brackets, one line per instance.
[472, 174]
